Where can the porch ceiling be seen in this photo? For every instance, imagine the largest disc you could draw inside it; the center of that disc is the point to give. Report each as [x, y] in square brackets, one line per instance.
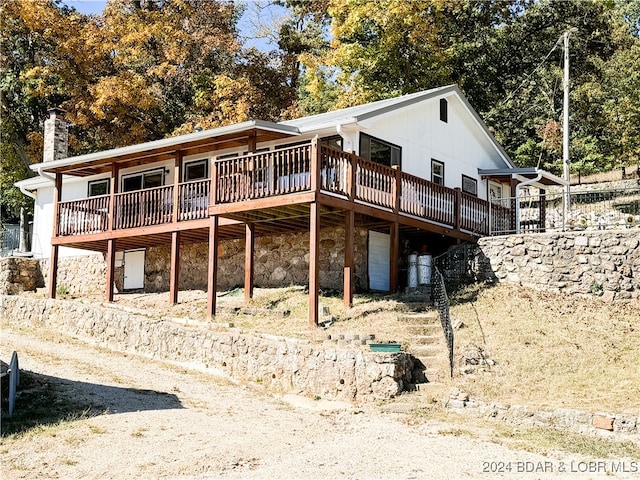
[200, 142]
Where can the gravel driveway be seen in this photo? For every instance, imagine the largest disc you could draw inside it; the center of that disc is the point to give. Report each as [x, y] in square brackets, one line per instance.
[169, 421]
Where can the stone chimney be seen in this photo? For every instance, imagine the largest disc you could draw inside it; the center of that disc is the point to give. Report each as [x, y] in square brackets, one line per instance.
[56, 136]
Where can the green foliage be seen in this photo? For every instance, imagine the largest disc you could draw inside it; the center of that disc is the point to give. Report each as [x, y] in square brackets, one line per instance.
[145, 70]
[506, 57]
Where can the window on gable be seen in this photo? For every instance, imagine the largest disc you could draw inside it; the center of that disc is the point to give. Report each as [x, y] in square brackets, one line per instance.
[444, 114]
[469, 185]
[99, 187]
[379, 151]
[437, 172]
[197, 170]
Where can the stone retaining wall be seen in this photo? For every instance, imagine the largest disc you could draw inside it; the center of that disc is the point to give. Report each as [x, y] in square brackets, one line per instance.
[562, 418]
[18, 274]
[281, 364]
[602, 263]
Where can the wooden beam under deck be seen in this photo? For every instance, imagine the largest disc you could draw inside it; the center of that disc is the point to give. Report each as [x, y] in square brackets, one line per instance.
[249, 247]
[314, 270]
[111, 263]
[212, 282]
[175, 267]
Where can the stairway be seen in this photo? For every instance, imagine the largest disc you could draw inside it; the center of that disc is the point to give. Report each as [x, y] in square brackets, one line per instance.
[427, 343]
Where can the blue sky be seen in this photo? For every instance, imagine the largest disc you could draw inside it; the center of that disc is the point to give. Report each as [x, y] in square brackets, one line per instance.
[86, 6]
[245, 24]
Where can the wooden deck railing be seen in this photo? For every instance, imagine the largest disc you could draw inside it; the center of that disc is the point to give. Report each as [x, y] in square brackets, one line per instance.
[281, 172]
[428, 200]
[142, 208]
[261, 175]
[194, 200]
[473, 214]
[82, 217]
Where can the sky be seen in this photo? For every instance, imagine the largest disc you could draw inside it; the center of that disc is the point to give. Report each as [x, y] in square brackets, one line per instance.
[246, 24]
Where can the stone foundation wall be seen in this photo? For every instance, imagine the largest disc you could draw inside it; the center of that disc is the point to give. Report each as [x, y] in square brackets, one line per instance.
[603, 263]
[79, 275]
[281, 364]
[280, 260]
[19, 274]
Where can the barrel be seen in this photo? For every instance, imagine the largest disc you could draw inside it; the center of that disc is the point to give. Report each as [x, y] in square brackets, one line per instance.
[412, 272]
[424, 269]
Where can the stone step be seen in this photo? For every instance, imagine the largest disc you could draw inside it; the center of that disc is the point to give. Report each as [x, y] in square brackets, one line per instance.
[430, 351]
[426, 339]
[427, 329]
[423, 317]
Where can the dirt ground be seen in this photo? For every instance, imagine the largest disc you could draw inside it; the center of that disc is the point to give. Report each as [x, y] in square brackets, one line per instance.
[162, 420]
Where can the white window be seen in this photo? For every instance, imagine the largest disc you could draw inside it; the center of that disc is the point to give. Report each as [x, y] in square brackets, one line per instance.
[143, 180]
[99, 187]
[197, 170]
[437, 172]
[469, 185]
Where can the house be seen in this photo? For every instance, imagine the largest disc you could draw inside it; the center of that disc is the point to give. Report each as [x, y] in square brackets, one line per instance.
[393, 176]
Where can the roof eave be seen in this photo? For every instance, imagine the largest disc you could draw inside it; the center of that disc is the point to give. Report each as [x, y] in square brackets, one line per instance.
[512, 172]
[167, 143]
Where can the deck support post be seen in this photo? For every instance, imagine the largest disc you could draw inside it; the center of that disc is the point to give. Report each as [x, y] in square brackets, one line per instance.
[249, 247]
[113, 189]
[314, 253]
[458, 209]
[349, 220]
[53, 271]
[213, 266]
[394, 239]
[177, 173]
[53, 260]
[175, 267]
[111, 264]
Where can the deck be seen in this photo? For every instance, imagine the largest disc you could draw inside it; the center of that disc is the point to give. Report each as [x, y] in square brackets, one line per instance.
[304, 187]
[277, 187]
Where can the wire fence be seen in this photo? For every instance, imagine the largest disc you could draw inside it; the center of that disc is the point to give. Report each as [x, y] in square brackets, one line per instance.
[441, 302]
[533, 211]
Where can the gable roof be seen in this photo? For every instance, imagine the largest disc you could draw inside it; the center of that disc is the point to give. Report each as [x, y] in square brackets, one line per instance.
[367, 110]
[381, 107]
[87, 164]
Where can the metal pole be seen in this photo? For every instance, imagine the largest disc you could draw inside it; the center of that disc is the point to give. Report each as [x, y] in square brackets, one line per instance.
[565, 132]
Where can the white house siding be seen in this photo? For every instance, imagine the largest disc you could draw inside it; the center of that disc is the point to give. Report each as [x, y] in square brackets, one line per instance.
[43, 219]
[459, 143]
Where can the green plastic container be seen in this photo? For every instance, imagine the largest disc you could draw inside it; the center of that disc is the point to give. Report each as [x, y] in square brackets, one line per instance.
[385, 347]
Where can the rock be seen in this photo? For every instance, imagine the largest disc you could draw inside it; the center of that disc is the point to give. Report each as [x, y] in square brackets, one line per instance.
[603, 423]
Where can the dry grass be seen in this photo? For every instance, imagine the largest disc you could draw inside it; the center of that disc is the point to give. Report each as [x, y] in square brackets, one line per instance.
[550, 349]
[612, 176]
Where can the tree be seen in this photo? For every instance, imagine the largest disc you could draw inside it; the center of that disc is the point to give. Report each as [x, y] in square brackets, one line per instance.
[505, 56]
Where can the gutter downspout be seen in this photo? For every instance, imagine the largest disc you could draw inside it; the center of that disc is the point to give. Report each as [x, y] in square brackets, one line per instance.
[26, 192]
[523, 184]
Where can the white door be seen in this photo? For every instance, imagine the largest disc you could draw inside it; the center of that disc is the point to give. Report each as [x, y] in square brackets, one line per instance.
[133, 269]
[379, 247]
